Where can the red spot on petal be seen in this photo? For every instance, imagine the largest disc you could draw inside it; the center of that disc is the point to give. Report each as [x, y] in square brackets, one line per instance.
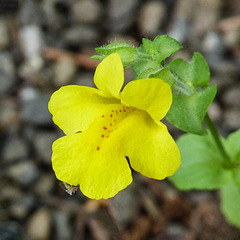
[124, 110]
[112, 110]
[120, 110]
[102, 136]
[105, 128]
[110, 124]
[102, 115]
[98, 148]
[111, 115]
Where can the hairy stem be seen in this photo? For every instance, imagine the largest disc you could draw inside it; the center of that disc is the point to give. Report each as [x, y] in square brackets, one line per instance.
[217, 140]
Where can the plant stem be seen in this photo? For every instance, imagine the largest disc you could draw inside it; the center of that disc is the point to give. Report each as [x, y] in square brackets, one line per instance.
[217, 139]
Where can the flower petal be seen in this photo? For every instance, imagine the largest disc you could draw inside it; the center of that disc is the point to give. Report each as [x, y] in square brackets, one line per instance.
[66, 158]
[100, 171]
[74, 108]
[107, 174]
[149, 146]
[109, 75]
[152, 95]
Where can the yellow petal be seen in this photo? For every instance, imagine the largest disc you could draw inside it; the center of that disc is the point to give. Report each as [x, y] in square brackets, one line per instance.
[74, 108]
[93, 161]
[109, 75]
[149, 146]
[108, 172]
[66, 158]
[152, 95]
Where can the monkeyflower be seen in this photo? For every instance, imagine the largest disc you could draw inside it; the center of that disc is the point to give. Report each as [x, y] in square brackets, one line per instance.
[103, 126]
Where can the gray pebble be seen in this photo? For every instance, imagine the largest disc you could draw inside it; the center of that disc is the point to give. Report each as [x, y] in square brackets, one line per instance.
[7, 73]
[32, 42]
[64, 72]
[15, 148]
[86, 11]
[45, 184]
[151, 17]
[121, 14]
[4, 36]
[39, 225]
[35, 110]
[231, 96]
[43, 144]
[24, 172]
[20, 207]
[85, 79]
[80, 34]
[10, 231]
[231, 118]
[63, 229]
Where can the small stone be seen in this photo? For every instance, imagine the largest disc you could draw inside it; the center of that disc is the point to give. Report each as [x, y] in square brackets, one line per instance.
[15, 148]
[35, 109]
[30, 12]
[32, 41]
[43, 144]
[81, 34]
[20, 207]
[121, 14]
[64, 72]
[213, 47]
[8, 113]
[123, 206]
[231, 96]
[151, 17]
[86, 11]
[10, 231]
[24, 172]
[63, 229]
[215, 112]
[206, 15]
[85, 79]
[4, 36]
[45, 184]
[39, 225]
[7, 73]
[231, 118]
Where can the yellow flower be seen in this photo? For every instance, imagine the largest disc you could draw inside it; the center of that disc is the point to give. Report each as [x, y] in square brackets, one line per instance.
[104, 126]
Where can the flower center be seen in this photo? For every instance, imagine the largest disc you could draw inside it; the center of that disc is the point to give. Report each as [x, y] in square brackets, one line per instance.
[111, 120]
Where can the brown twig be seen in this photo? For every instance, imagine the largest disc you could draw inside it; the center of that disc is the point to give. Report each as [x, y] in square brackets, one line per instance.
[82, 60]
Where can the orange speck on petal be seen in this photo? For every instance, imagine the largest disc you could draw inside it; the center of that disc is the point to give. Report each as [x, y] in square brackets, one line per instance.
[110, 124]
[102, 115]
[98, 148]
[114, 120]
[105, 128]
[111, 115]
[102, 136]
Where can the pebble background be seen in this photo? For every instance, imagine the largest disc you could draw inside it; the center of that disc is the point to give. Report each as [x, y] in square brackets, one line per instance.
[45, 44]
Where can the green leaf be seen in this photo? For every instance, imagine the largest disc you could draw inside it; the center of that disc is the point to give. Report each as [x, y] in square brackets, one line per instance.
[97, 57]
[165, 75]
[127, 53]
[166, 46]
[195, 73]
[202, 164]
[232, 145]
[142, 65]
[230, 199]
[187, 112]
[192, 95]
[236, 175]
[149, 46]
